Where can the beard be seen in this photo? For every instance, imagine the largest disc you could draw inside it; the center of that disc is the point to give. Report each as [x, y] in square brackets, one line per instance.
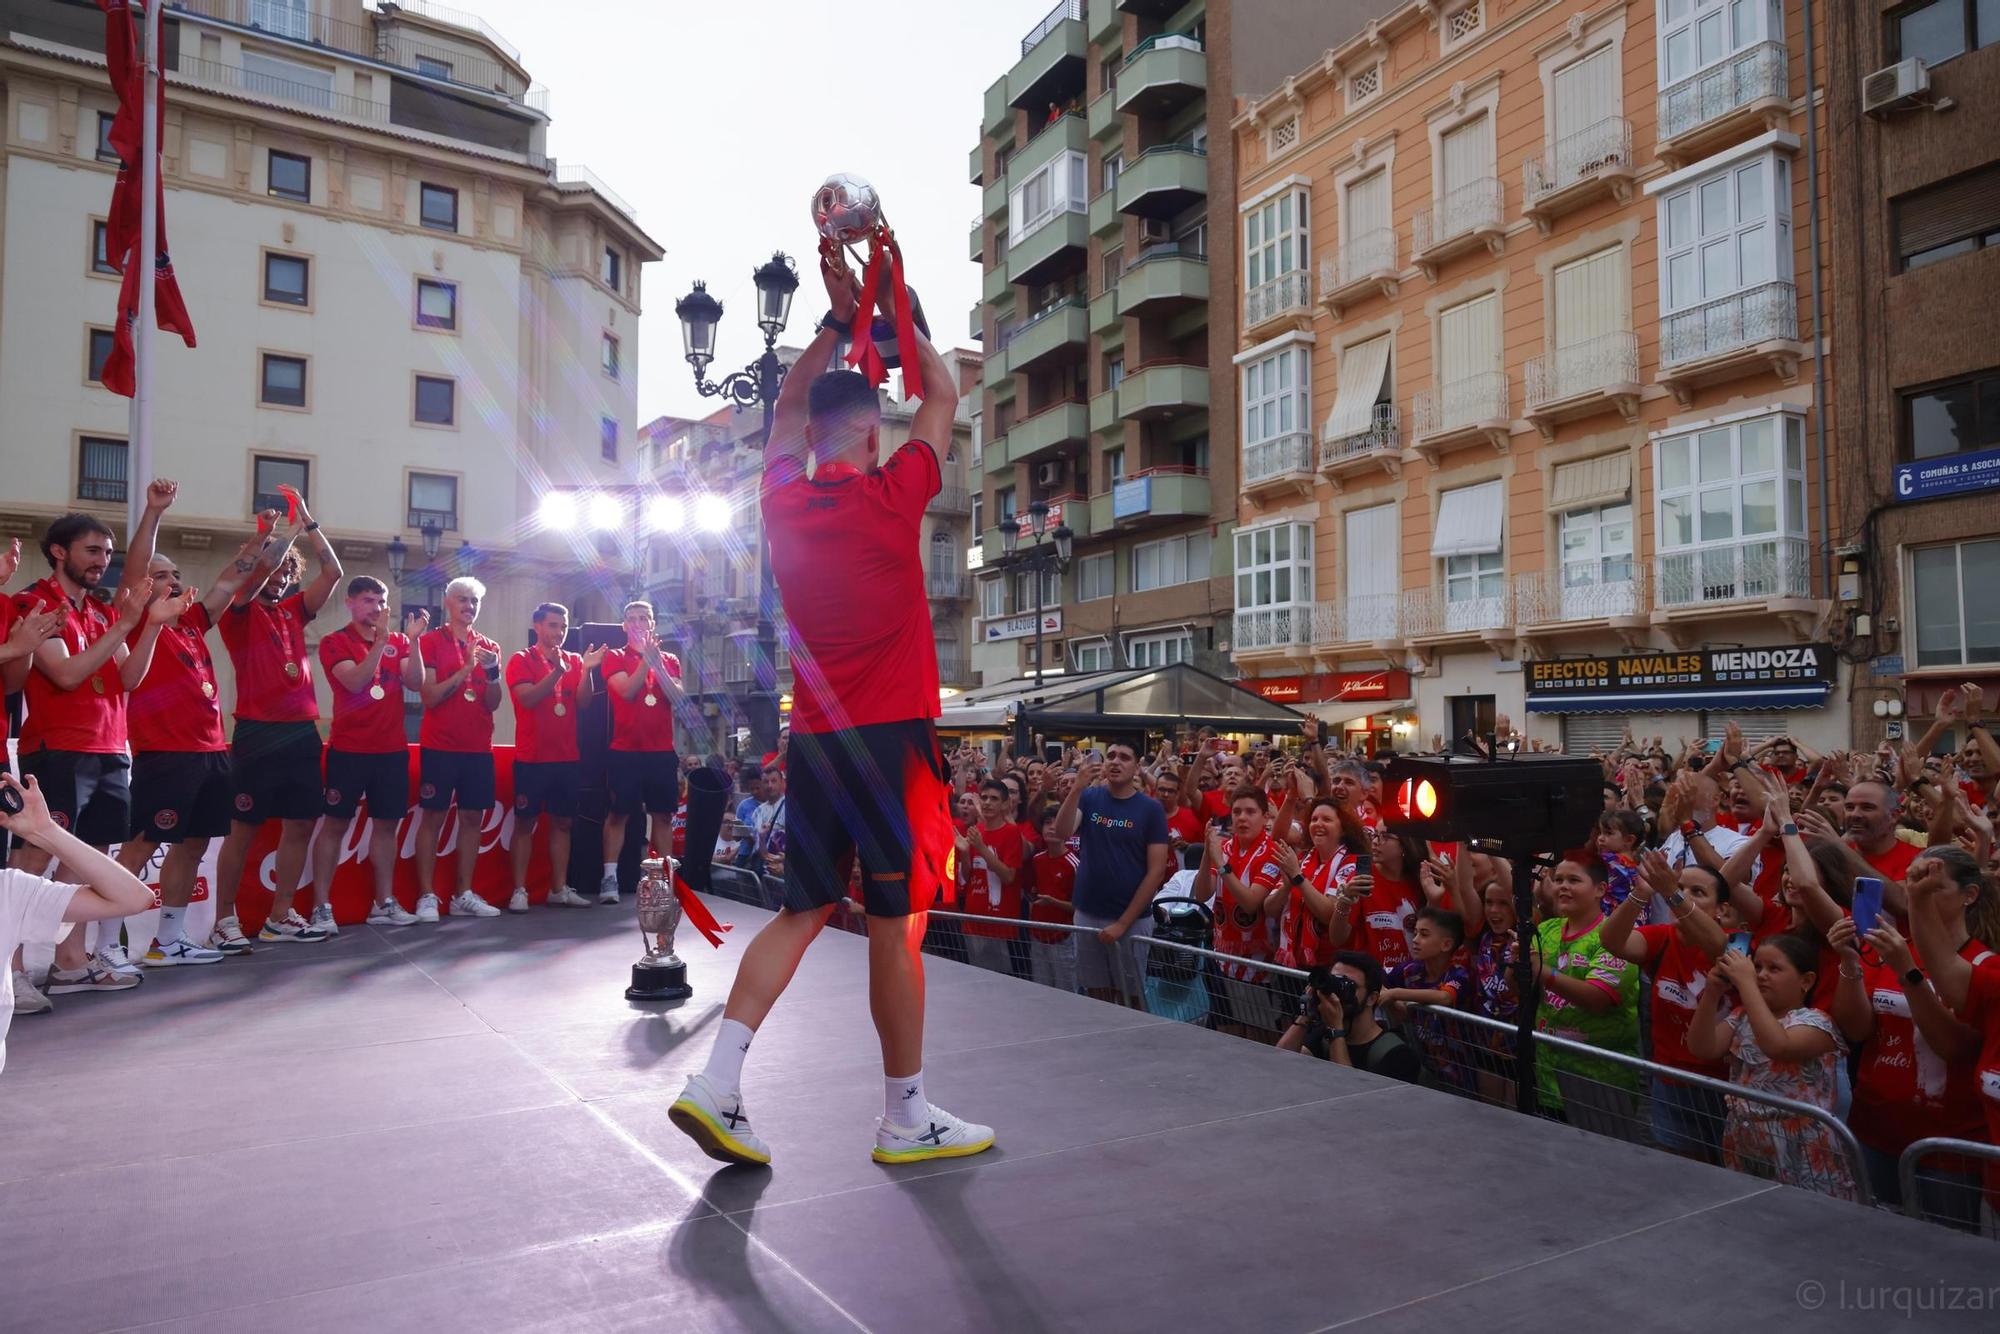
[82, 576]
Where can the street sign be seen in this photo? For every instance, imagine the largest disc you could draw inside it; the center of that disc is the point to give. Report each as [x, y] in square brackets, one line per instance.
[1949, 475]
[1893, 729]
[1889, 664]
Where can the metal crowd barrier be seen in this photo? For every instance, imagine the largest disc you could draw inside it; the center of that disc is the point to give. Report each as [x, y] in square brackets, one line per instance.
[1019, 947]
[1953, 1196]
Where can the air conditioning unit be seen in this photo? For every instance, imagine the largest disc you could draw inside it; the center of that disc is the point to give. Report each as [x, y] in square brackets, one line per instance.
[1152, 231]
[1048, 474]
[1901, 85]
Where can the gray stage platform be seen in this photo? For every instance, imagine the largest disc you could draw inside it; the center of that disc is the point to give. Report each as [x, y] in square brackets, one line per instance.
[464, 1128]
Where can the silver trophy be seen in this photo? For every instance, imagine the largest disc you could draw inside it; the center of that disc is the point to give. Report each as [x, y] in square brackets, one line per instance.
[659, 974]
[848, 213]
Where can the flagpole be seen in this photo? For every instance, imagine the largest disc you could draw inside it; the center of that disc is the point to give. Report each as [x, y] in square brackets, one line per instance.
[141, 426]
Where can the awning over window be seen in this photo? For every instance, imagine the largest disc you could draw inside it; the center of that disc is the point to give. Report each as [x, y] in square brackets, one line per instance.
[1604, 480]
[1361, 370]
[1469, 521]
[1751, 699]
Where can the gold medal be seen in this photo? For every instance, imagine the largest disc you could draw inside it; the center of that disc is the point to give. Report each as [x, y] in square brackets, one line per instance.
[471, 696]
[208, 690]
[292, 670]
[377, 692]
[97, 684]
[561, 708]
[651, 700]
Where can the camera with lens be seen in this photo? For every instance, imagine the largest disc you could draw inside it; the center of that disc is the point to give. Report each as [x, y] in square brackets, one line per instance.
[1323, 981]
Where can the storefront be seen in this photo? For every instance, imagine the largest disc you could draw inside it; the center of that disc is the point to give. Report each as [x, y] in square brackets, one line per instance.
[1692, 694]
[1369, 711]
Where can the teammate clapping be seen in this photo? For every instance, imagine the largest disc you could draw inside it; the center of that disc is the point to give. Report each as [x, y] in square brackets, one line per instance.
[461, 690]
[548, 684]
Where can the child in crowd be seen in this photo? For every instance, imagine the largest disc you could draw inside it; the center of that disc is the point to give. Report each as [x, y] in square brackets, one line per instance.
[1431, 977]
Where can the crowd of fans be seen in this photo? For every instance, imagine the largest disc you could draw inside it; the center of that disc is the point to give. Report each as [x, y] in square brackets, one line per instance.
[1708, 927]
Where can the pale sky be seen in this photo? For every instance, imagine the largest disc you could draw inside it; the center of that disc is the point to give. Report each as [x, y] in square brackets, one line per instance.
[716, 121]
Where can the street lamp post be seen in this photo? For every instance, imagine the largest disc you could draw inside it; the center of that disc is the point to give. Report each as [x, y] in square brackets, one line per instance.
[1037, 559]
[756, 384]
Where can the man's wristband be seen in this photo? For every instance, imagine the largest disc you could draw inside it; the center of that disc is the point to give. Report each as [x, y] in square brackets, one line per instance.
[1788, 830]
[493, 672]
[1298, 882]
[1913, 978]
[313, 527]
[845, 328]
[1336, 1035]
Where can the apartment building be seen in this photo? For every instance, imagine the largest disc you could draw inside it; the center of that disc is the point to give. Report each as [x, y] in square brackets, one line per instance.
[704, 584]
[406, 310]
[1914, 134]
[1529, 411]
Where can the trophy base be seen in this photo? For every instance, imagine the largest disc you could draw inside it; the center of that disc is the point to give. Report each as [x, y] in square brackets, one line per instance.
[659, 982]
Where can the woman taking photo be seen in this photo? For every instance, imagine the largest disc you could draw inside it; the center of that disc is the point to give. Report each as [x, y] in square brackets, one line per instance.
[1376, 912]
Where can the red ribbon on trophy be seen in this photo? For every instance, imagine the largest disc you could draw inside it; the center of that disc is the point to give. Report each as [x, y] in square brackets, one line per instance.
[291, 502]
[698, 914]
[847, 212]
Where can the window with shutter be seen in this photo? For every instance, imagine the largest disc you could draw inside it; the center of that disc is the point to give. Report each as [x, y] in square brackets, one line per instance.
[1469, 339]
[1467, 155]
[1590, 299]
[1944, 221]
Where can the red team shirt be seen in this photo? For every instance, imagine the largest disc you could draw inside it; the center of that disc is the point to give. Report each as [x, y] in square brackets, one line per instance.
[177, 706]
[362, 724]
[546, 734]
[1679, 975]
[262, 638]
[1185, 824]
[635, 724]
[1982, 1012]
[1054, 874]
[1381, 922]
[91, 718]
[456, 723]
[845, 550]
[1256, 865]
[1300, 942]
[1903, 1090]
[981, 891]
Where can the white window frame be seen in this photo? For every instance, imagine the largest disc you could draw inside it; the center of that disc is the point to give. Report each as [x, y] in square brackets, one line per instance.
[1024, 592]
[1678, 18]
[1686, 238]
[1349, 77]
[1176, 560]
[993, 598]
[1678, 476]
[1446, 42]
[1091, 656]
[1096, 577]
[1265, 579]
[1965, 601]
[1276, 237]
[1271, 384]
[1475, 577]
[1060, 183]
[1159, 649]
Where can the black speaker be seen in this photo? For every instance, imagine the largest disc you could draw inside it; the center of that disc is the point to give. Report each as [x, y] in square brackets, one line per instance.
[1532, 803]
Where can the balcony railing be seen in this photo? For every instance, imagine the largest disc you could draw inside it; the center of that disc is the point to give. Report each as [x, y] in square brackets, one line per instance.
[1263, 628]
[1068, 9]
[1461, 403]
[458, 18]
[1284, 456]
[1588, 367]
[1592, 590]
[1369, 255]
[1014, 331]
[578, 176]
[447, 520]
[1576, 158]
[952, 499]
[951, 666]
[1742, 319]
[1775, 567]
[1288, 293]
[945, 583]
[1474, 206]
[1363, 619]
[1434, 611]
[1383, 432]
[1757, 73]
[196, 70]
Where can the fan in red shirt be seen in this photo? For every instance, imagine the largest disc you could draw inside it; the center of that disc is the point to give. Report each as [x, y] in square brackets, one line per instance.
[1376, 912]
[73, 740]
[865, 773]
[21, 633]
[274, 754]
[1183, 822]
[368, 667]
[644, 771]
[1051, 879]
[461, 693]
[1869, 820]
[991, 858]
[1242, 874]
[550, 685]
[1966, 980]
[1212, 804]
[181, 793]
[1313, 882]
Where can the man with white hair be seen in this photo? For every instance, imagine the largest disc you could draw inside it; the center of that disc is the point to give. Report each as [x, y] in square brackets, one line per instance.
[461, 691]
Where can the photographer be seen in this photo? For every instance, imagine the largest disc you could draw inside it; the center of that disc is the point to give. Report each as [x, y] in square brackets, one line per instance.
[1336, 1020]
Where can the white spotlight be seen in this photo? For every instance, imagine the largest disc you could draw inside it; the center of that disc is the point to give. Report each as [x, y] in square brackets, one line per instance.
[712, 514]
[666, 514]
[558, 510]
[603, 512]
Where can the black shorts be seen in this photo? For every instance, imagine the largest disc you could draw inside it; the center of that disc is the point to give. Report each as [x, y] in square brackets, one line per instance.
[88, 794]
[644, 780]
[381, 778]
[880, 791]
[546, 786]
[464, 774]
[180, 794]
[274, 768]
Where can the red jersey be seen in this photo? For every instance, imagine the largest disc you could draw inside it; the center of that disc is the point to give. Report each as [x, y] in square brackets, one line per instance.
[460, 721]
[1301, 943]
[1383, 920]
[1982, 1012]
[1770, 886]
[91, 718]
[1184, 824]
[368, 721]
[1214, 805]
[267, 647]
[847, 552]
[546, 733]
[1895, 863]
[175, 706]
[1256, 865]
[678, 839]
[6, 628]
[981, 890]
[1053, 873]
[1904, 1090]
[1679, 975]
[645, 721]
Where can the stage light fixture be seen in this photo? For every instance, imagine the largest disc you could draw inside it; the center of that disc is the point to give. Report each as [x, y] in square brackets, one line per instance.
[712, 513]
[1527, 801]
[602, 511]
[666, 514]
[558, 510]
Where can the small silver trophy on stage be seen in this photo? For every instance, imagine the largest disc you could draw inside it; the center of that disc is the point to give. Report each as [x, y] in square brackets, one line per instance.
[659, 975]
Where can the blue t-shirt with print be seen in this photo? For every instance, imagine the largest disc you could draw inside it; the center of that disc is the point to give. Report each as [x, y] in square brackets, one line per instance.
[1113, 834]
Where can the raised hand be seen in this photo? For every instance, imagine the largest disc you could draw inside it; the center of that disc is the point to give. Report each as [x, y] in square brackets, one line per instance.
[1888, 943]
[33, 821]
[160, 493]
[129, 603]
[1656, 875]
[1090, 773]
[28, 632]
[10, 559]
[1286, 857]
[416, 623]
[486, 657]
[843, 285]
[1738, 971]
[593, 656]
[1309, 729]
[1972, 698]
[168, 610]
[1841, 939]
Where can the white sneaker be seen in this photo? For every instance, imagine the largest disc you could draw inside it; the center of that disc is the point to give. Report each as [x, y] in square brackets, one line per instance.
[607, 890]
[93, 976]
[567, 898]
[519, 902]
[117, 960]
[938, 1135]
[292, 928]
[465, 903]
[27, 1000]
[322, 918]
[228, 936]
[717, 1123]
[180, 951]
[427, 907]
[392, 913]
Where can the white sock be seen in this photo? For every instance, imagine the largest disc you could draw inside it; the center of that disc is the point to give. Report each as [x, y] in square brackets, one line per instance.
[108, 931]
[725, 1062]
[903, 1099]
[170, 925]
[610, 869]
